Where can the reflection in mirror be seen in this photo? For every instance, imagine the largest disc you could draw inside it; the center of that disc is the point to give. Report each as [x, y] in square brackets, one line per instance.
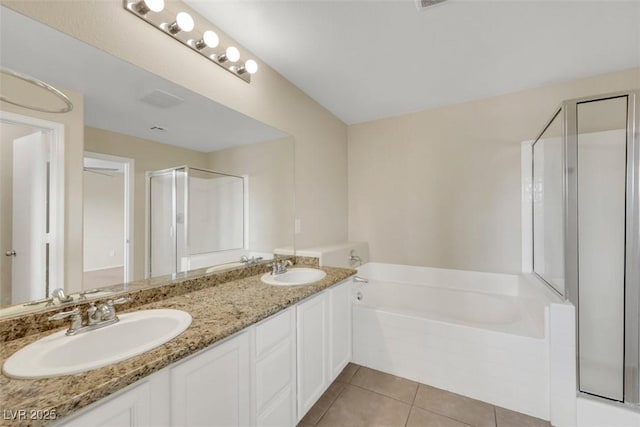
[196, 219]
[24, 158]
[135, 123]
[548, 217]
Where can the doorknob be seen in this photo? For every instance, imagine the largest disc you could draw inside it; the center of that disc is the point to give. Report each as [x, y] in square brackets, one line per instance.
[10, 253]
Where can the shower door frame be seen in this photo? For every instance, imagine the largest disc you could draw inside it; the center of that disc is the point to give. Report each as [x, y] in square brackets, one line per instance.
[631, 378]
[185, 210]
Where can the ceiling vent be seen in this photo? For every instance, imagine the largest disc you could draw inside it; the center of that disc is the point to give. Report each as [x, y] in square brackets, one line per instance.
[161, 99]
[423, 4]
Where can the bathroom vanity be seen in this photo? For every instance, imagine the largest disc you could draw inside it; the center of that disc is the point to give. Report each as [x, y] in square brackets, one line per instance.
[255, 354]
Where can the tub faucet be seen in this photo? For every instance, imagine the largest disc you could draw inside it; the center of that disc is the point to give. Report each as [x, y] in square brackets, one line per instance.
[354, 259]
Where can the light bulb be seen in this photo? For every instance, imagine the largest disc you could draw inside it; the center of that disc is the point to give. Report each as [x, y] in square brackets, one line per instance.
[209, 39]
[184, 22]
[144, 6]
[232, 54]
[251, 66]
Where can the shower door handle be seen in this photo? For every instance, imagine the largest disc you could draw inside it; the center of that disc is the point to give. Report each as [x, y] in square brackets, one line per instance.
[11, 253]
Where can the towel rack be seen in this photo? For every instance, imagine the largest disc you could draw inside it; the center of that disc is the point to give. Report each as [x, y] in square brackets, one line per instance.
[68, 104]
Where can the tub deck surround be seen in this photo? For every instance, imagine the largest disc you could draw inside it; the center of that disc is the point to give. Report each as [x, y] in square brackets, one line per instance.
[218, 312]
[480, 335]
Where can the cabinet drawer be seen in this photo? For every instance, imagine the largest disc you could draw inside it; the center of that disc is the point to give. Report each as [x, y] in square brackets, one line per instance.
[273, 331]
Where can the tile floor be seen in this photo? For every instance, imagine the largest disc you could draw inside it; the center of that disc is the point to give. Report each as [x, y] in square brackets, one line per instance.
[365, 397]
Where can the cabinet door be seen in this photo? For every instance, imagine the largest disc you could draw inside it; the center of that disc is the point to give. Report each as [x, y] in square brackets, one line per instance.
[275, 370]
[212, 388]
[312, 334]
[144, 404]
[339, 328]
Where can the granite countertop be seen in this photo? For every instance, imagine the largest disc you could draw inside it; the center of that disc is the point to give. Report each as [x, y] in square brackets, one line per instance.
[218, 312]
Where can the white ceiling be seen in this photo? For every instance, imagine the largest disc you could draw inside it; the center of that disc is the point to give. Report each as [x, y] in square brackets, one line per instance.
[365, 59]
[113, 88]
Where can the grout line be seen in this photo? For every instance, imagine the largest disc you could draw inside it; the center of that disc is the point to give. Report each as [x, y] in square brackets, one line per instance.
[354, 373]
[495, 416]
[380, 394]
[413, 402]
[332, 402]
[408, 416]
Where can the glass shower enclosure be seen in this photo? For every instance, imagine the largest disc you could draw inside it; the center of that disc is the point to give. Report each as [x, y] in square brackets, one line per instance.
[194, 215]
[586, 234]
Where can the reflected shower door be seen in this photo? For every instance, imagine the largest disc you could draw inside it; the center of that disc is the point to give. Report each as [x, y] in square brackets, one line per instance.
[162, 232]
[601, 170]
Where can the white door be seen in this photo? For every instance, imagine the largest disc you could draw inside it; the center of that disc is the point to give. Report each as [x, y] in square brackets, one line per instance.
[30, 155]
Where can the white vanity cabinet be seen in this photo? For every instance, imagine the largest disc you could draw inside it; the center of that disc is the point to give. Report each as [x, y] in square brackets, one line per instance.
[275, 370]
[340, 330]
[269, 374]
[142, 404]
[212, 388]
[324, 342]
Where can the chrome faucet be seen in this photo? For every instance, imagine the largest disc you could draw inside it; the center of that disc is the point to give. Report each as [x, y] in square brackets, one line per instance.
[97, 316]
[59, 293]
[279, 267]
[354, 259]
[250, 261]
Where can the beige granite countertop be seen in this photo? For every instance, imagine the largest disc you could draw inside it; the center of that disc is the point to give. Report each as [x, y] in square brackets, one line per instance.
[218, 312]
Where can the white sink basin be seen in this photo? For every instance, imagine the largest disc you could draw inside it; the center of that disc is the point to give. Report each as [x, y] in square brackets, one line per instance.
[294, 277]
[58, 354]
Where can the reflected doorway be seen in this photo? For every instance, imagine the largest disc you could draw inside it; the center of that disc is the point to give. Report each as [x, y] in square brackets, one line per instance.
[31, 212]
[108, 220]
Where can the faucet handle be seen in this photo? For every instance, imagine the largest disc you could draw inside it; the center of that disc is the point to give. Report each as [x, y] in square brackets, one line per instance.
[65, 314]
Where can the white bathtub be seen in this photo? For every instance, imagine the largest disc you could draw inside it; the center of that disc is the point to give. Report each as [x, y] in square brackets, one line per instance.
[477, 334]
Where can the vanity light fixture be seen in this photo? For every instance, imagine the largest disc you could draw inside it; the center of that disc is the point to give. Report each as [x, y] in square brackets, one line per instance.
[145, 6]
[232, 54]
[209, 39]
[181, 26]
[184, 22]
[250, 66]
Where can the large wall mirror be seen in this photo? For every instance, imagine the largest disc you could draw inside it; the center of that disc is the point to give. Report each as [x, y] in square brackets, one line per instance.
[145, 178]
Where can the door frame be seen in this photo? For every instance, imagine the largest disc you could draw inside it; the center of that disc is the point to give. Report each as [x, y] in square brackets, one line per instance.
[56, 236]
[129, 192]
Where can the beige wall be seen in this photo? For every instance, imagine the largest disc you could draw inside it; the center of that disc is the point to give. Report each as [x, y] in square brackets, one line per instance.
[148, 156]
[73, 154]
[269, 167]
[441, 187]
[321, 138]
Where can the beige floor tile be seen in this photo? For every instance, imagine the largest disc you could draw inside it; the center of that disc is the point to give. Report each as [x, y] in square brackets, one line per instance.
[314, 414]
[348, 372]
[356, 407]
[507, 418]
[389, 385]
[461, 408]
[421, 418]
